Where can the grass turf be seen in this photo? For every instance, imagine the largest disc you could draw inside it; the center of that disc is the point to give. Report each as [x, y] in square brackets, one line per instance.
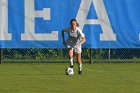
[51, 78]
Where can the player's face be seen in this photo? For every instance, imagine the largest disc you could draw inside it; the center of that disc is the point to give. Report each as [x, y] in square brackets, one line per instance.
[73, 25]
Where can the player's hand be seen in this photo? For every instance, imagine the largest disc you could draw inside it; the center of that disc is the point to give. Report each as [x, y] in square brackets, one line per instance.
[78, 43]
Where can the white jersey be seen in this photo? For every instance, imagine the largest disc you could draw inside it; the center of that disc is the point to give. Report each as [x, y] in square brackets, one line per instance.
[73, 36]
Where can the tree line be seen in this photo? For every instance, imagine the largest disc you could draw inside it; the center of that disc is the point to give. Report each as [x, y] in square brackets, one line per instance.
[62, 53]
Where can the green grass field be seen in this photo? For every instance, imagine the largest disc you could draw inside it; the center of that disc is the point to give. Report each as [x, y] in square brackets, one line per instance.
[51, 78]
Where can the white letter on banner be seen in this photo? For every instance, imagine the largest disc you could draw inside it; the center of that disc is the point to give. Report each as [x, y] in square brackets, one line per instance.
[4, 35]
[30, 15]
[103, 19]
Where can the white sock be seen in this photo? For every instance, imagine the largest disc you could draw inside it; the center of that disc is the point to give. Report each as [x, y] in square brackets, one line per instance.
[80, 67]
[71, 62]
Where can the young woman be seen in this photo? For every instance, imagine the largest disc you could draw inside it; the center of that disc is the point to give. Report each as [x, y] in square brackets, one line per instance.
[75, 39]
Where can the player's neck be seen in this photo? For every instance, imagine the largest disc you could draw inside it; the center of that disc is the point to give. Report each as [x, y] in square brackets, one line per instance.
[73, 29]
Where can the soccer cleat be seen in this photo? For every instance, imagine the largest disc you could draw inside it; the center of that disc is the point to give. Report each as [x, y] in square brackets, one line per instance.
[79, 72]
[71, 66]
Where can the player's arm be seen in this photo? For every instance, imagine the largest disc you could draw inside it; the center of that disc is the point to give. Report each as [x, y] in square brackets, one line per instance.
[82, 36]
[63, 38]
[82, 41]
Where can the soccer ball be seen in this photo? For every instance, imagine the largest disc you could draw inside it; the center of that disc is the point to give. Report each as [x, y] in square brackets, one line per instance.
[69, 71]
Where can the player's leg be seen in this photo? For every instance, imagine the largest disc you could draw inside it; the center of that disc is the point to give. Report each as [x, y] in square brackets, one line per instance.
[70, 54]
[78, 58]
[78, 51]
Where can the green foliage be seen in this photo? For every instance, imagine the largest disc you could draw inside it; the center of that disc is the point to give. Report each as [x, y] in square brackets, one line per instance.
[56, 54]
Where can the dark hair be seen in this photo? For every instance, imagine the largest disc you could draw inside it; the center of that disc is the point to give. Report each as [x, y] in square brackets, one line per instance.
[75, 21]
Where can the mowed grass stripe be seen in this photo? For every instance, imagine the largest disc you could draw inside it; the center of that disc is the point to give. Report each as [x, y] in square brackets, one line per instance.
[51, 78]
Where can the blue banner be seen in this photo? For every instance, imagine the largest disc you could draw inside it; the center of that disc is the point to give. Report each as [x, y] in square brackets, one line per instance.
[38, 23]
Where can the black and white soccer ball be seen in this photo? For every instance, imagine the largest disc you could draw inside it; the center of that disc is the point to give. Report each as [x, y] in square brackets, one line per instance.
[69, 71]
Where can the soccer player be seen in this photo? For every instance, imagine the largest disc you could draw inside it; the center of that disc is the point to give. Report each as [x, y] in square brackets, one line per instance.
[75, 39]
